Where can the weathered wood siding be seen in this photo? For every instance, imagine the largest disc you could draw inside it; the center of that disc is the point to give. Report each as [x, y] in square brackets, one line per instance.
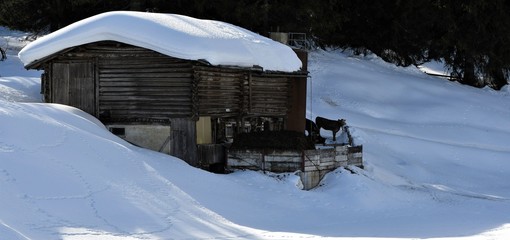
[73, 84]
[211, 154]
[183, 143]
[234, 92]
[220, 91]
[268, 95]
[132, 84]
[139, 84]
[123, 84]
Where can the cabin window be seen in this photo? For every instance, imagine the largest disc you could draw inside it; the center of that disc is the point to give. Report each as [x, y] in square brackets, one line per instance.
[119, 131]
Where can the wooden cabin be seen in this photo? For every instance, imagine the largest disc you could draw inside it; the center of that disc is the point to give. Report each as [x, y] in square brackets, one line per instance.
[172, 83]
[167, 104]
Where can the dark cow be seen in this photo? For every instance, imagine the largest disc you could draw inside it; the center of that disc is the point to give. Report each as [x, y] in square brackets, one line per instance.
[314, 132]
[3, 56]
[333, 125]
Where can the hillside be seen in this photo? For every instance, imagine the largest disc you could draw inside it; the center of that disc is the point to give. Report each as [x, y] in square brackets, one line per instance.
[436, 153]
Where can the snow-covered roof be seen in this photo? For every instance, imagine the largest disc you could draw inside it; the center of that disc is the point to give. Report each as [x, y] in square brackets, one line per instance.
[174, 35]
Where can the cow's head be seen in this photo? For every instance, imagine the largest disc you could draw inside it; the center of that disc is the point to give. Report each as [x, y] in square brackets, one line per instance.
[341, 122]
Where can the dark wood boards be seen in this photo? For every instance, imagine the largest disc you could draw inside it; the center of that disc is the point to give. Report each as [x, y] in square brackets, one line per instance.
[183, 142]
[73, 84]
[235, 92]
[147, 85]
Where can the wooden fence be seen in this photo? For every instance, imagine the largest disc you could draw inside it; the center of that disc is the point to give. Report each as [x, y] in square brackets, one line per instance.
[311, 164]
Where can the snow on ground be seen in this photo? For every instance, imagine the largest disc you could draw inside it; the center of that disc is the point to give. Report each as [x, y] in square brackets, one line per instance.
[16, 84]
[436, 153]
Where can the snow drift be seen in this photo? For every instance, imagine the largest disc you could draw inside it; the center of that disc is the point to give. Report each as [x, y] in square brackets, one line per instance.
[436, 154]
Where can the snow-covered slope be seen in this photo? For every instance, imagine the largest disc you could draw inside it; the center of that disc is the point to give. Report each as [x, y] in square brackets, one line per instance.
[436, 153]
[421, 127]
[16, 84]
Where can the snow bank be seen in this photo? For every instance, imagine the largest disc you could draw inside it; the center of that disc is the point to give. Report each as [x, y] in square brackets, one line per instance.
[63, 175]
[174, 35]
[17, 84]
[436, 166]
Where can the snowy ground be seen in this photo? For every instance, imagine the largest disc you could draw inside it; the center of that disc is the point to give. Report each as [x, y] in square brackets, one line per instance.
[437, 158]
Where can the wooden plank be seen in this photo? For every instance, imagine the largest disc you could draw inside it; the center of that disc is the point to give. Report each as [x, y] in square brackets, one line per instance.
[183, 142]
[164, 109]
[168, 79]
[141, 90]
[60, 76]
[149, 75]
[145, 113]
[140, 84]
[96, 87]
[209, 154]
[219, 90]
[283, 158]
[146, 69]
[208, 70]
[152, 85]
[168, 97]
[152, 95]
[208, 77]
[245, 159]
[282, 166]
[311, 168]
[112, 64]
[341, 158]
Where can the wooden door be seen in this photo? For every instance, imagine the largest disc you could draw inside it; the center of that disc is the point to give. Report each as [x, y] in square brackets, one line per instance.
[183, 142]
[73, 84]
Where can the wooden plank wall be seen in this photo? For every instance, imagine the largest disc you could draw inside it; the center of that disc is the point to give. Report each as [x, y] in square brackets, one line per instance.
[219, 91]
[210, 154]
[81, 86]
[136, 83]
[269, 95]
[234, 92]
[312, 164]
[325, 159]
[60, 86]
[308, 160]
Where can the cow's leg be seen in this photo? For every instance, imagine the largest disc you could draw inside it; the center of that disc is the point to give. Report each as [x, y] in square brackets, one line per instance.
[334, 135]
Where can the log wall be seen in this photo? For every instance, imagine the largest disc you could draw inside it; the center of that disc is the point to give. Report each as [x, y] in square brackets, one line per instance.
[148, 85]
[233, 92]
[268, 95]
[133, 84]
[220, 91]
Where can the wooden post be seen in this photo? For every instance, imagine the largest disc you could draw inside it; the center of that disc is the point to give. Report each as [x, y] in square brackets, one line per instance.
[183, 143]
[297, 111]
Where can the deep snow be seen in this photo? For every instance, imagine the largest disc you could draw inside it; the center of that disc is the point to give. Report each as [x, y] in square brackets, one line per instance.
[174, 35]
[436, 153]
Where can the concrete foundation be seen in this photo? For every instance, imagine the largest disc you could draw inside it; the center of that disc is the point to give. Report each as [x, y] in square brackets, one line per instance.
[147, 136]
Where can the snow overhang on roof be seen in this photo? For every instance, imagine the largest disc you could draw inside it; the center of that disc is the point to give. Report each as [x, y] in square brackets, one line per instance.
[174, 35]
